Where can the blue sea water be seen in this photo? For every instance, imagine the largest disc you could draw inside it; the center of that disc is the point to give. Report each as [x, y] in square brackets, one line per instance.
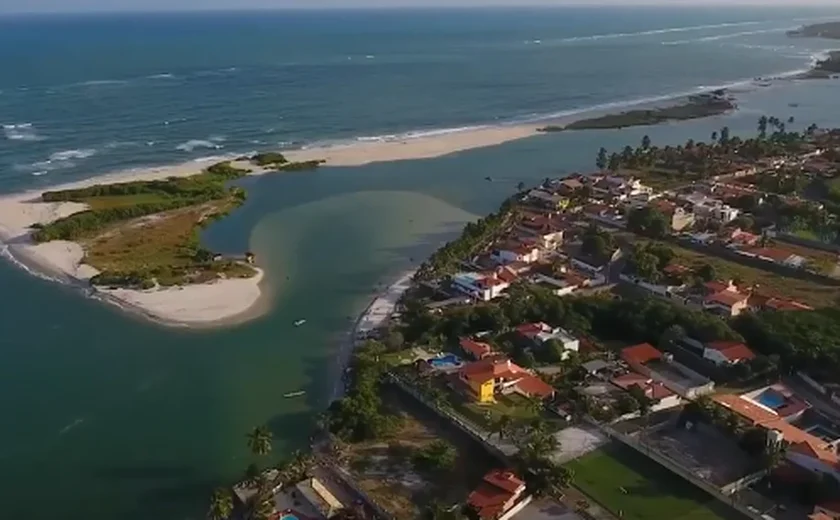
[85, 94]
[118, 418]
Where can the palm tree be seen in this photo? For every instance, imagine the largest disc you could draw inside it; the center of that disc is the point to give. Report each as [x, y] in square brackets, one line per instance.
[262, 506]
[714, 137]
[259, 440]
[762, 126]
[503, 426]
[645, 142]
[221, 504]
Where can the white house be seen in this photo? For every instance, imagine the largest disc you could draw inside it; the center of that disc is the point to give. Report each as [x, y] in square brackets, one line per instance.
[539, 333]
[713, 209]
[480, 286]
[510, 253]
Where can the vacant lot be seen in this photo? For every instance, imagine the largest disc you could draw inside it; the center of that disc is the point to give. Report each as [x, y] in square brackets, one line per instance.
[385, 469]
[810, 293]
[634, 487]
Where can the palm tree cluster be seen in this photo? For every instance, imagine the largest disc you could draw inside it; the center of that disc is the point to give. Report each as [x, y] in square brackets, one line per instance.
[716, 156]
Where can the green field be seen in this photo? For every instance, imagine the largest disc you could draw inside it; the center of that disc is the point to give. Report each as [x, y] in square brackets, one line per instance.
[652, 492]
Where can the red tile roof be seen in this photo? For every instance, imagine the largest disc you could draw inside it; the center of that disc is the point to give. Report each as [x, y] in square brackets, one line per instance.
[493, 494]
[641, 353]
[535, 387]
[653, 390]
[773, 253]
[800, 440]
[530, 330]
[716, 286]
[732, 350]
[727, 298]
[476, 348]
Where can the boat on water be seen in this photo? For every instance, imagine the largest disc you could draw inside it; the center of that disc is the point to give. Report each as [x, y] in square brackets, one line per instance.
[295, 394]
[298, 323]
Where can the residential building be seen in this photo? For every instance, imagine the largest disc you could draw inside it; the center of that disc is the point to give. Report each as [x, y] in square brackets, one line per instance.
[715, 210]
[489, 376]
[739, 237]
[773, 254]
[678, 218]
[638, 355]
[727, 352]
[660, 395]
[498, 493]
[483, 287]
[724, 298]
[319, 497]
[539, 333]
[803, 449]
[476, 349]
[594, 265]
[549, 200]
[659, 367]
[515, 252]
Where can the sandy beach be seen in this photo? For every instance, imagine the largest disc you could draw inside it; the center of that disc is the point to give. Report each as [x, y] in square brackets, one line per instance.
[223, 302]
[374, 316]
[426, 147]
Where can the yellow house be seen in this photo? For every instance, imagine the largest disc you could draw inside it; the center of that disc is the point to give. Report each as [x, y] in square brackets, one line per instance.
[484, 392]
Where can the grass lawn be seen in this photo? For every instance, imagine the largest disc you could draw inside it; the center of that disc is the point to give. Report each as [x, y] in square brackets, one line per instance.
[652, 492]
[811, 293]
[163, 244]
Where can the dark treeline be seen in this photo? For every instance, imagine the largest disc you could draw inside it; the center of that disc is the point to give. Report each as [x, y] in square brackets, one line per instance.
[607, 318]
[808, 340]
[165, 195]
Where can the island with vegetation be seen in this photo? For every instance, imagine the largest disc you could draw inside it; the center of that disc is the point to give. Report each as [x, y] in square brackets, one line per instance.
[145, 233]
[829, 66]
[693, 107]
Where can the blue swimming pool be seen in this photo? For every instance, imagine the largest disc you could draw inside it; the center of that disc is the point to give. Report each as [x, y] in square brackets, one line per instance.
[446, 361]
[771, 399]
[288, 517]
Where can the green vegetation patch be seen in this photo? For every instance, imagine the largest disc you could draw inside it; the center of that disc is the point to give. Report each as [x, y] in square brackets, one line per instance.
[634, 487]
[805, 291]
[139, 233]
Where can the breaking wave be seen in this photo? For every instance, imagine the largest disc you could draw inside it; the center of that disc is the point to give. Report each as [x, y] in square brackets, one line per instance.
[21, 132]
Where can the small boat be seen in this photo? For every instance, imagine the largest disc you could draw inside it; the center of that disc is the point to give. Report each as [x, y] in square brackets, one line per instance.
[488, 179]
[298, 323]
[294, 394]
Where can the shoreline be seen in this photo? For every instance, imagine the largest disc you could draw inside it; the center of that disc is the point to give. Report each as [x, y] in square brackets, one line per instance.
[380, 308]
[222, 303]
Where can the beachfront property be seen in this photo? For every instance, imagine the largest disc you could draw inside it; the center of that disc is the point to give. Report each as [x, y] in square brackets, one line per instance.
[511, 252]
[483, 286]
[500, 495]
[538, 334]
[482, 380]
[811, 440]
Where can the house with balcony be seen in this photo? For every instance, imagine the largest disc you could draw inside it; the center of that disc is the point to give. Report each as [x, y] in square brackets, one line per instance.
[483, 380]
[511, 252]
[483, 286]
[499, 495]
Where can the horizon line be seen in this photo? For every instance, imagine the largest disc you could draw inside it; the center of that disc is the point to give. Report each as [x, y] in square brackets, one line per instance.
[578, 4]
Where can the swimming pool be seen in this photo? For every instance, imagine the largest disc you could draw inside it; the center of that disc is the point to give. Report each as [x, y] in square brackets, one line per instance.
[446, 361]
[771, 399]
[289, 517]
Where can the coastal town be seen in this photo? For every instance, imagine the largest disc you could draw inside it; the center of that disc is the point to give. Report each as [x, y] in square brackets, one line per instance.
[655, 339]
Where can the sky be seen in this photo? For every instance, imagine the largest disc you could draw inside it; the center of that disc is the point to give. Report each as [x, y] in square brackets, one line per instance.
[45, 6]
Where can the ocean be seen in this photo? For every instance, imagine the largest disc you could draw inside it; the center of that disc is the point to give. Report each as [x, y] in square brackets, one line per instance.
[113, 417]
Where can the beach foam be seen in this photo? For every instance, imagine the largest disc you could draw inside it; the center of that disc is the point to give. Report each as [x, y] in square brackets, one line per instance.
[21, 132]
[194, 144]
